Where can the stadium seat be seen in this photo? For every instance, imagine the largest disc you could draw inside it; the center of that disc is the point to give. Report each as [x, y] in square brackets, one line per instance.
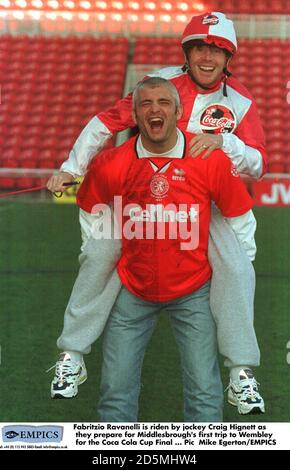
[91, 108]
[55, 108]
[37, 109]
[277, 134]
[276, 123]
[72, 110]
[47, 154]
[30, 142]
[24, 183]
[36, 118]
[278, 7]
[276, 102]
[276, 145]
[9, 156]
[3, 129]
[12, 141]
[4, 118]
[29, 163]
[287, 163]
[27, 154]
[48, 142]
[258, 91]
[51, 131]
[6, 182]
[59, 157]
[276, 163]
[59, 88]
[65, 143]
[229, 6]
[46, 163]
[51, 120]
[18, 130]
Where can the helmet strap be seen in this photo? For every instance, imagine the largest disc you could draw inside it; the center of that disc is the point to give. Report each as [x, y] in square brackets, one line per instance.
[226, 75]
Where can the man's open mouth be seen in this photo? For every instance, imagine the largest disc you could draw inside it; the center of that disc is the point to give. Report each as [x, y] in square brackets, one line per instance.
[156, 123]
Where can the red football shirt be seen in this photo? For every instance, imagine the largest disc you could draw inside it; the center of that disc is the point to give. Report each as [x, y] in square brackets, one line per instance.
[165, 214]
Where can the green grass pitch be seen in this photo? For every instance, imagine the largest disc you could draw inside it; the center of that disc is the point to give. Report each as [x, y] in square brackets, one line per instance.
[39, 244]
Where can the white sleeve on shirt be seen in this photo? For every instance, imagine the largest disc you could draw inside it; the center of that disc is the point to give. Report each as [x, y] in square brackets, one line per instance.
[90, 141]
[248, 160]
[87, 223]
[244, 227]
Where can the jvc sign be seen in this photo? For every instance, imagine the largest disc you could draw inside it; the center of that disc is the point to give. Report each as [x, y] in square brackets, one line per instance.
[272, 192]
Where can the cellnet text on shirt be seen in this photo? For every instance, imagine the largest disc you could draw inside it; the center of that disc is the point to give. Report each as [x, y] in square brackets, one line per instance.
[152, 221]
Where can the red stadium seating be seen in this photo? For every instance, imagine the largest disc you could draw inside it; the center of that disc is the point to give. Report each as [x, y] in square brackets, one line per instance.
[277, 163]
[47, 83]
[25, 182]
[9, 157]
[27, 154]
[287, 163]
[52, 86]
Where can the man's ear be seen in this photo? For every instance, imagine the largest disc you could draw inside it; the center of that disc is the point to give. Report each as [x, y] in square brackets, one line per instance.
[179, 111]
[134, 116]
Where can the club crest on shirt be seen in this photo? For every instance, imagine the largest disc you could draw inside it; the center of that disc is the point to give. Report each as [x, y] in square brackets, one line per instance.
[217, 119]
[159, 186]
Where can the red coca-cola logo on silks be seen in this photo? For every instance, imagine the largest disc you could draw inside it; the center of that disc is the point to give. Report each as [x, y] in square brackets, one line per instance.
[210, 19]
[217, 119]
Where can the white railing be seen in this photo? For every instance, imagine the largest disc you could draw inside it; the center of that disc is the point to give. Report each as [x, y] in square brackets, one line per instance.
[27, 172]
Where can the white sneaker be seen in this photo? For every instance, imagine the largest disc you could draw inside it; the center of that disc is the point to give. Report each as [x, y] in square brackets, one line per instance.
[68, 376]
[244, 394]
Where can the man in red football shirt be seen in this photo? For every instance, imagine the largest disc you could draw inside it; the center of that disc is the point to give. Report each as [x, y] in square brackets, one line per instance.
[222, 114]
[164, 217]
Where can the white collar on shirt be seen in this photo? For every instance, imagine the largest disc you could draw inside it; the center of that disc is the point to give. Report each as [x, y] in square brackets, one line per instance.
[176, 152]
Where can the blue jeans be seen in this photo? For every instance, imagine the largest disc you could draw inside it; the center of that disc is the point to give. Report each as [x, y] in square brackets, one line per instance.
[126, 336]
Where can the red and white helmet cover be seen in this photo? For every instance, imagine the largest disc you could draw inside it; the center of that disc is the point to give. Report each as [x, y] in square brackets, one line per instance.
[211, 28]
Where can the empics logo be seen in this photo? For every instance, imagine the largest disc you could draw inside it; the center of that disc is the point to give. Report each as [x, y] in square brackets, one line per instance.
[32, 433]
[11, 434]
